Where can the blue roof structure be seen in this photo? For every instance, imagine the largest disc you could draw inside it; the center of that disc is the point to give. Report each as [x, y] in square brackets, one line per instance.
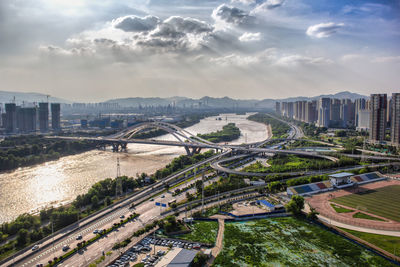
[266, 203]
[341, 175]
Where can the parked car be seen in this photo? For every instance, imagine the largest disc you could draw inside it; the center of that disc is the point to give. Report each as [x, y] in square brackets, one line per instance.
[35, 247]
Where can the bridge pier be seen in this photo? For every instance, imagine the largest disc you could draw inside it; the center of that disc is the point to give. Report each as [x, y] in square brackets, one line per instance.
[124, 146]
[192, 150]
[115, 147]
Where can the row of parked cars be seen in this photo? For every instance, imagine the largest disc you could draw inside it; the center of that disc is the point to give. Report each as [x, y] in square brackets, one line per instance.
[131, 255]
[169, 242]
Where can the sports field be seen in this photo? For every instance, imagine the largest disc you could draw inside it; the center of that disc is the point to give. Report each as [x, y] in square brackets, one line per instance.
[382, 201]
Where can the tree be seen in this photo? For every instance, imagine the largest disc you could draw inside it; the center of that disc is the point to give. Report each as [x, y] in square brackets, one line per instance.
[312, 215]
[295, 205]
[23, 237]
[108, 201]
[200, 260]
[95, 202]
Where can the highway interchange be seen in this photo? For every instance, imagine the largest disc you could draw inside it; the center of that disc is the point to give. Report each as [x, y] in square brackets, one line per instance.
[145, 206]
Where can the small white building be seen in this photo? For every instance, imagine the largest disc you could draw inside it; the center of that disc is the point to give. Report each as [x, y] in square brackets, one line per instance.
[339, 179]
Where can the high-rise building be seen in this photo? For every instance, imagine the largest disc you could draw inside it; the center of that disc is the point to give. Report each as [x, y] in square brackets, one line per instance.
[363, 119]
[290, 110]
[335, 120]
[324, 112]
[44, 117]
[28, 120]
[295, 109]
[11, 118]
[359, 104]
[55, 116]
[377, 120]
[395, 119]
[278, 107]
[311, 115]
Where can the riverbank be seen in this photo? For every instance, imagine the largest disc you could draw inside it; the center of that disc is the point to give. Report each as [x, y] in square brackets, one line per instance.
[58, 182]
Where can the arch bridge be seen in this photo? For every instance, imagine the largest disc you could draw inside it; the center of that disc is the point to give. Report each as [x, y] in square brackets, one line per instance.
[192, 144]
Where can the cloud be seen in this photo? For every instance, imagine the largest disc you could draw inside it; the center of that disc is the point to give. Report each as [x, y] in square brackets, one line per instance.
[270, 57]
[135, 23]
[323, 30]
[294, 60]
[235, 60]
[267, 5]
[250, 37]
[244, 2]
[388, 59]
[352, 57]
[232, 15]
[140, 36]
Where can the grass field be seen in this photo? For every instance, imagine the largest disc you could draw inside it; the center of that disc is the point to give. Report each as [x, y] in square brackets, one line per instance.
[382, 201]
[289, 242]
[361, 215]
[205, 232]
[389, 243]
[339, 209]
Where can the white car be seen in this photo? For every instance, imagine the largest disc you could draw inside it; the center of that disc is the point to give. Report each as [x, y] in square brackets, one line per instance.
[35, 247]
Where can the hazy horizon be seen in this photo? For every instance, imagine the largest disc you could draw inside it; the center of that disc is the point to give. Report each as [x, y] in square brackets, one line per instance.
[82, 50]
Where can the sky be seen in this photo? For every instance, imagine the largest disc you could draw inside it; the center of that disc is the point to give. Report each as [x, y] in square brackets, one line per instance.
[85, 50]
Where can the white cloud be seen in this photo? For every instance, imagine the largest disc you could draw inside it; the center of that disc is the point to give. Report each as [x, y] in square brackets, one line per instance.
[294, 60]
[135, 23]
[235, 60]
[244, 2]
[250, 37]
[267, 5]
[323, 30]
[271, 57]
[352, 57]
[225, 15]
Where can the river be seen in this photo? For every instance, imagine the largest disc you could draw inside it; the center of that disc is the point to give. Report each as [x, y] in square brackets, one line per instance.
[58, 182]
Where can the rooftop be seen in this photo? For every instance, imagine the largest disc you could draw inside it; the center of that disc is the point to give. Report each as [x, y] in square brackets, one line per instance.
[341, 175]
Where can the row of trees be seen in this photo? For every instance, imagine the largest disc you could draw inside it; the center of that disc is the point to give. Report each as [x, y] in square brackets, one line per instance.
[31, 150]
[279, 128]
[180, 163]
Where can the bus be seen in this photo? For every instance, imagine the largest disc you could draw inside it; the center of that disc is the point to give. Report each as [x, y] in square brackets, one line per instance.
[172, 202]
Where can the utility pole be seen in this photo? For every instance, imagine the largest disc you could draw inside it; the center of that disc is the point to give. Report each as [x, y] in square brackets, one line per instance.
[118, 182]
[202, 193]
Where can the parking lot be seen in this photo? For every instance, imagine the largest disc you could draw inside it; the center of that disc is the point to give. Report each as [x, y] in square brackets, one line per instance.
[150, 251]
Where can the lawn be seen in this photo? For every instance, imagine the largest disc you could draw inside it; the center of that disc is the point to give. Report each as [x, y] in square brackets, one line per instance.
[389, 243]
[339, 209]
[202, 231]
[290, 242]
[383, 201]
[361, 215]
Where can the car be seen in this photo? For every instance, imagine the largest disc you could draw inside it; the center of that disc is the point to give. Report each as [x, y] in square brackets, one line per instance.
[163, 196]
[122, 216]
[152, 199]
[65, 248]
[35, 247]
[96, 232]
[79, 237]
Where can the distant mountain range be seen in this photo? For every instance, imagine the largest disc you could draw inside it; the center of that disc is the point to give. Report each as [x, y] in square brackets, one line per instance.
[224, 102]
[8, 97]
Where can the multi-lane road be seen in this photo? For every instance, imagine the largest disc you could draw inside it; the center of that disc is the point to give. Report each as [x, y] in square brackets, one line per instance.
[144, 205]
[51, 246]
